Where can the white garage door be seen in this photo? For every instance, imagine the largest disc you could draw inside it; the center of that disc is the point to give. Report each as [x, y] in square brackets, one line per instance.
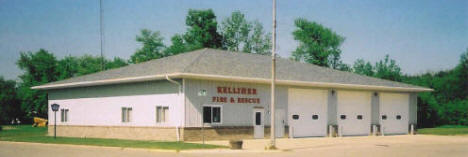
[354, 112]
[307, 112]
[394, 109]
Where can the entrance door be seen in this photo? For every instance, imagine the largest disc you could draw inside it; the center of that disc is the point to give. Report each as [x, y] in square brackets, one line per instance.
[280, 118]
[258, 123]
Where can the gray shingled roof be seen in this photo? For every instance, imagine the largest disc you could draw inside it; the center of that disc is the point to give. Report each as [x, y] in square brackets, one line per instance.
[236, 64]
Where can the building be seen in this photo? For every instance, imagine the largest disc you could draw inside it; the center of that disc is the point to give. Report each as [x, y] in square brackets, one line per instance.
[216, 94]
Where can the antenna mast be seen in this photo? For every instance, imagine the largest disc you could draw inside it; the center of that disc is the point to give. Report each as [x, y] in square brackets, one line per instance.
[101, 34]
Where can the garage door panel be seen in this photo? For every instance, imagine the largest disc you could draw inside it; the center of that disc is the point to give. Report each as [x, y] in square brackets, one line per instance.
[356, 106]
[305, 103]
[395, 106]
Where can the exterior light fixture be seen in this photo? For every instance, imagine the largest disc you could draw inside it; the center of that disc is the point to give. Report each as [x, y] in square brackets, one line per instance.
[202, 92]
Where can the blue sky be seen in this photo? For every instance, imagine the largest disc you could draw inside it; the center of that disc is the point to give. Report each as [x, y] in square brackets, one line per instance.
[421, 35]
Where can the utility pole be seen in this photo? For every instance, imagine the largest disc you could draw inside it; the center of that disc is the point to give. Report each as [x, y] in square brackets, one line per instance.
[101, 34]
[273, 80]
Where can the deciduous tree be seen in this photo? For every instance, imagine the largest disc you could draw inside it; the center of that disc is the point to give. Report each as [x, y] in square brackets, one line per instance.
[9, 104]
[39, 68]
[317, 44]
[362, 67]
[202, 30]
[152, 47]
[235, 31]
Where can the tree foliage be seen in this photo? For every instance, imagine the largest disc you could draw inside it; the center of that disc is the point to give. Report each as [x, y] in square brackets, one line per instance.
[202, 30]
[43, 67]
[39, 68]
[363, 68]
[235, 30]
[388, 69]
[9, 104]
[178, 46]
[448, 103]
[259, 42]
[384, 69]
[152, 47]
[242, 35]
[317, 44]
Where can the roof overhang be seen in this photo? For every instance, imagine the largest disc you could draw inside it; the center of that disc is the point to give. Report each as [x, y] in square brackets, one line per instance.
[234, 79]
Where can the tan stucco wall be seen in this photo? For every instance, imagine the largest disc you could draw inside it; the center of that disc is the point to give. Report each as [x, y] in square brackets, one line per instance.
[116, 132]
[224, 133]
[158, 133]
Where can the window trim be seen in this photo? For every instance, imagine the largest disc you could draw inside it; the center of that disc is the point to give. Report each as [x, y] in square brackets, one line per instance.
[166, 120]
[64, 115]
[127, 118]
[220, 114]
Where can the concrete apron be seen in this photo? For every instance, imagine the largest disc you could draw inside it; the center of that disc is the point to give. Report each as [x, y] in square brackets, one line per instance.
[295, 144]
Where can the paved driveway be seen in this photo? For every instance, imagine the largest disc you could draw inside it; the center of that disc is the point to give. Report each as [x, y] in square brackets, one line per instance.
[419, 145]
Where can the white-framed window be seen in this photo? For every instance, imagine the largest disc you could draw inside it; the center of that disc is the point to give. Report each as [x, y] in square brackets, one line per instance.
[162, 114]
[126, 114]
[63, 115]
[212, 114]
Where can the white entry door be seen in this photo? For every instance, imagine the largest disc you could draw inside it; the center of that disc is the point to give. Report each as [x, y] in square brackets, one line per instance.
[258, 123]
[280, 118]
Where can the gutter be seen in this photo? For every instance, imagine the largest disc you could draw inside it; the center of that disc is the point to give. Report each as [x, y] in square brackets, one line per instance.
[233, 78]
[179, 94]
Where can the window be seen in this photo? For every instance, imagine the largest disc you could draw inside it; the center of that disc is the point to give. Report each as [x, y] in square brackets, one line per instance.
[258, 118]
[126, 114]
[342, 117]
[315, 117]
[295, 117]
[162, 114]
[384, 117]
[211, 114]
[359, 117]
[398, 117]
[64, 115]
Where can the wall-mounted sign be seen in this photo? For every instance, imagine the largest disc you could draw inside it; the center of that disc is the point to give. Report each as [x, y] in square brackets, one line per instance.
[234, 91]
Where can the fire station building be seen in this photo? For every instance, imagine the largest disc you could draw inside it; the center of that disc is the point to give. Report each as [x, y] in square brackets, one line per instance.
[216, 94]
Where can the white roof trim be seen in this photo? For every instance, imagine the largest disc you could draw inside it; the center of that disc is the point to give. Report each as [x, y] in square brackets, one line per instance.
[304, 83]
[231, 78]
[104, 82]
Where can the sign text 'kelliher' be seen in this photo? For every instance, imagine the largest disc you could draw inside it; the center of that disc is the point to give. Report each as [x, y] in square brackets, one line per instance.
[236, 90]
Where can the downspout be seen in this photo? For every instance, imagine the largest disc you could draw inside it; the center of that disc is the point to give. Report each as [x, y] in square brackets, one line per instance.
[179, 93]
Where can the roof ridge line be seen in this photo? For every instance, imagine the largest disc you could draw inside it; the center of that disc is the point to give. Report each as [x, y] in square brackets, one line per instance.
[196, 59]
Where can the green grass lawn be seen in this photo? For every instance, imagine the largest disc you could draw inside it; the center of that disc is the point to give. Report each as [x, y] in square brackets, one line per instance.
[26, 133]
[445, 130]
